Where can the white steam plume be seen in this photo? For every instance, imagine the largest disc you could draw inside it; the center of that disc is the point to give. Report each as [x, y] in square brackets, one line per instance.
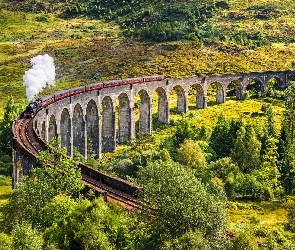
[39, 76]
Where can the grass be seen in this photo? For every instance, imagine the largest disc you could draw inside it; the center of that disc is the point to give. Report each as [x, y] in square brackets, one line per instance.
[266, 213]
[5, 189]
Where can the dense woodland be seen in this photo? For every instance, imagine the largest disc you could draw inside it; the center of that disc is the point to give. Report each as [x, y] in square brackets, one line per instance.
[215, 178]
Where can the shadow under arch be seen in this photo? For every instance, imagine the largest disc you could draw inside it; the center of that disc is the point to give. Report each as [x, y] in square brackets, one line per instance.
[65, 130]
[52, 128]
[254, 88]
[92, 128]
[79, 129]
[235, 88]
[181, 104]
[274, 87]
[124, 118]
[108, 131]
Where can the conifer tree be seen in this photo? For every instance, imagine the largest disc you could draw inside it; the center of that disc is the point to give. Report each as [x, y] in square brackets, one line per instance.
[271, 124]
[220, 136]
[287, 139]
[223, 136]
[246, 151]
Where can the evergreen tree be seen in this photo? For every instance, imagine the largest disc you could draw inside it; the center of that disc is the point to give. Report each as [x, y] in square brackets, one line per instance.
[223, 136]
[271, 124]
[269, 174]
[287, 138]
[246, 151]
[183, 131]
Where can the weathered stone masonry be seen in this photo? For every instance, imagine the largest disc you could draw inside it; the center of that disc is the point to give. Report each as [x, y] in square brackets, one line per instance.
[92, 115]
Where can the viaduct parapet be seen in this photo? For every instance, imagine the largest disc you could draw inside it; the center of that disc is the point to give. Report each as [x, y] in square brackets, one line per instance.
[107, 117]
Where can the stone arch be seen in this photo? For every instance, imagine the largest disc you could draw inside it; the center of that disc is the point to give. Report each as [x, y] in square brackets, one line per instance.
[65, 130]
[274, 84]
[145, 114]
[163, 105]
[124, 118]
[181, 98]
[216, 89]
[78, 124]
[255, 87]
[235, 87]
[92, 125]
[108, 125]
[52, 128]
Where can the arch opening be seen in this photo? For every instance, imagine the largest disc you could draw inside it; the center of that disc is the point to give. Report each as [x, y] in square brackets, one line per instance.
[235, 89]
[254, 89]
[196, 95]
[79, 130]
[274, 88]
[65, 130]
[92, 127]
[19, 172]
[43, 130]
[52, 128]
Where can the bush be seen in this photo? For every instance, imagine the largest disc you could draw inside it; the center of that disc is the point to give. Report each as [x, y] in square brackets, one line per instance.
[268, 194]
[5, 242]
[247, 184]
[290, 206]
[24, 237]
[229, 186]
[244, 241]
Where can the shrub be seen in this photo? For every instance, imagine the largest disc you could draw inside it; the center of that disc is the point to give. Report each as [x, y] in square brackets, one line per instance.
[244, 241]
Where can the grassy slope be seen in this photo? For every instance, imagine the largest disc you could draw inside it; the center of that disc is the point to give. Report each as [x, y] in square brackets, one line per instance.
[83, 47]
[5, 189]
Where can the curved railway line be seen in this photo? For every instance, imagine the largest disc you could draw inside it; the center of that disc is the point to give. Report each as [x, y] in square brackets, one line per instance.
[111, 188]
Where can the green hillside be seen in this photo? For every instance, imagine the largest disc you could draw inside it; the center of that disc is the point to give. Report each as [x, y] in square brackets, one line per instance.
[92, 40]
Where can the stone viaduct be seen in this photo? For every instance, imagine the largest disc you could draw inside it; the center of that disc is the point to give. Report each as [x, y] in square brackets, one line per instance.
[106, 117]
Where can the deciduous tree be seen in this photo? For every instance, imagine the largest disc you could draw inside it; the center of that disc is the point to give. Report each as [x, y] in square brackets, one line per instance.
[179, 202]
[191, 155]
[57, 174]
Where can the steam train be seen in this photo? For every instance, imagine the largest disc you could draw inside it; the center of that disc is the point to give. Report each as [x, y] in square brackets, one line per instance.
[44, 101]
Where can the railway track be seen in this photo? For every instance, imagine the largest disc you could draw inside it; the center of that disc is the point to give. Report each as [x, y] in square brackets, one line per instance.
[28, 140]
[129, 202]
[24, 134]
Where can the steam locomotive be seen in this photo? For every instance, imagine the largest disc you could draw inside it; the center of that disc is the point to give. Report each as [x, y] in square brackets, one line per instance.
[44, 101]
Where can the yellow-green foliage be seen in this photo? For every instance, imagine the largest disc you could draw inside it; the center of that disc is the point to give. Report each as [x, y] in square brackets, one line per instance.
[264, 213]
[5, 189]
